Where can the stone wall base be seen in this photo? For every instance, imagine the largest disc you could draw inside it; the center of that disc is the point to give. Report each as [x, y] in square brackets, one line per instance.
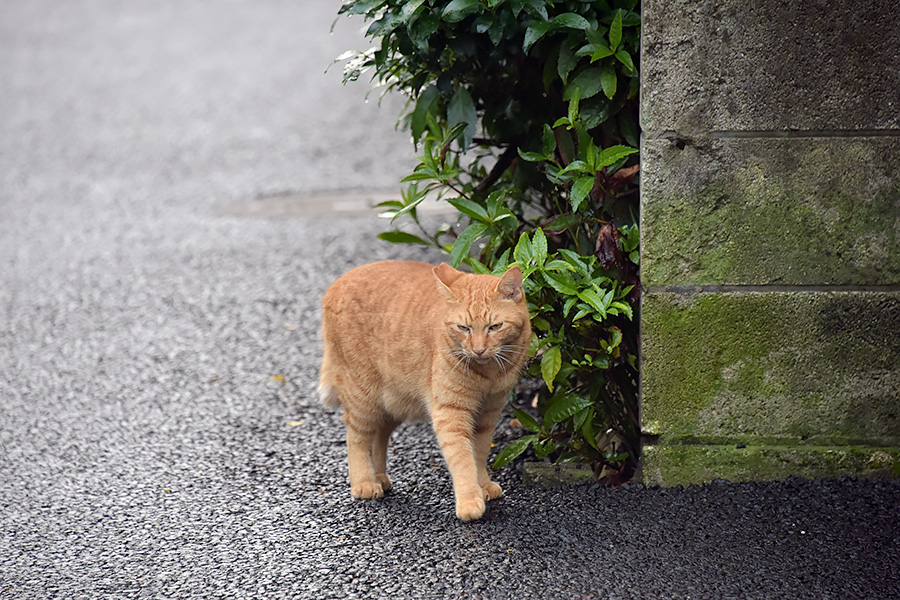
[693, 464]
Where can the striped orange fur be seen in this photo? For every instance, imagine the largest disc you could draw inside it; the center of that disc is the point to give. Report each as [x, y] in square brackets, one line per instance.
[410, 341]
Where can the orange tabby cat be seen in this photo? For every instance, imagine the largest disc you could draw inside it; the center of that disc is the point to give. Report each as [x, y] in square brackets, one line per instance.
[409, 341]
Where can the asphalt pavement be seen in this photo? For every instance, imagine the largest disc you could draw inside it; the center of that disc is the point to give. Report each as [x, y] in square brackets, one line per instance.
[163, 251]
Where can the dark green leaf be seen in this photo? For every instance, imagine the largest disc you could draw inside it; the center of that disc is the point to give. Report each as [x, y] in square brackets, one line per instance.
[564, 408]
[594, 300]
[615, 32]
[527, 421]
[360, 6]
[548, 146]
[535, 32]
[570, 20]
[596, 110]
[475, 211]
[577, 166]
[579, 417]
[495, 33]
[478, 267]
[622, 308]
[613, 154]
[425, 103]
[583, 310]
[516, 6]
[464, 242]
[574, 101]
[401, 237]
[561, 282]
[551, 361]
[587, 82]
[457, 10]
[600, 53]
[419, 176]
[523, 253]
[390, 204]
[616, 338]
[484, 23]
[566, 61]
[562, 222]
[539, 246]
[544, 448]
[558, 265]
[462, 110]
[587, 430]
[609, 81]
[578, 262]
[631, 19]
[537, 8]
[408, 208]
[625, 58]
[532, 156]
[410, 8]
[580, 190]
[502, 263]
[453, 133]
[422, 30]
[540, 323]
[514, 450]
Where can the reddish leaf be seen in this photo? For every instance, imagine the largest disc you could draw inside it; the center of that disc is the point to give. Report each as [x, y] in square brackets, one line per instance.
[609, 250]
[623, 177]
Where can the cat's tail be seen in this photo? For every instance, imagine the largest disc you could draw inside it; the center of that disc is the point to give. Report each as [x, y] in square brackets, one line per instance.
[328, 392]
[329, 395]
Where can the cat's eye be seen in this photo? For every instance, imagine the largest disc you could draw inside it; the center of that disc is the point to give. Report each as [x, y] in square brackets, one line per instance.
[495, 327]
[464, 328]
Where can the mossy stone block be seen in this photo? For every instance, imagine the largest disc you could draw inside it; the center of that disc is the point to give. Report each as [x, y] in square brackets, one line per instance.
[807, 211]
[784, 368]
[673, 465]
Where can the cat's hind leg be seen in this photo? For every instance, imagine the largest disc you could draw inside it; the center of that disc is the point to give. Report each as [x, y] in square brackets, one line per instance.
[379, 452]
[363, 482]
[362, 423]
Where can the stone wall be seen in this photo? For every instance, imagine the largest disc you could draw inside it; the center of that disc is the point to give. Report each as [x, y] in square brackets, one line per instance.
[770, 239]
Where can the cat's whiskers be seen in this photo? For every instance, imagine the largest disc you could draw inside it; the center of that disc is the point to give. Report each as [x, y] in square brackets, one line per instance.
[502, 361]
[504, 355]
[463, 358]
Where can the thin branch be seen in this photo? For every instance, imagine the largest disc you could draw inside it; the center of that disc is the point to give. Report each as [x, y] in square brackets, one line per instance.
[503, 163]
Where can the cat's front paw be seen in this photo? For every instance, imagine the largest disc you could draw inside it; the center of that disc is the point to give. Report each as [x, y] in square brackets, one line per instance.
[470, 508]
[492, 490]
[384, 480]
[367, 489]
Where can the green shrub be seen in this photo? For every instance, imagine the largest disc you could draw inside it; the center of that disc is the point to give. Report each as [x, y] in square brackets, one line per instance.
[526, 115]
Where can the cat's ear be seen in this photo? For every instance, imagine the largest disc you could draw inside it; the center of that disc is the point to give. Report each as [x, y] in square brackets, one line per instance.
[444, 276]
[510, 285]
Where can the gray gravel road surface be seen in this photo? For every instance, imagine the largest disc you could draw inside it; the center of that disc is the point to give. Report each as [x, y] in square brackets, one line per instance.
[159, 433]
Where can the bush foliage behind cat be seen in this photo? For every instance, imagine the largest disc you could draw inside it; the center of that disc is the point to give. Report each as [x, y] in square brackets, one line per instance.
[410, 341]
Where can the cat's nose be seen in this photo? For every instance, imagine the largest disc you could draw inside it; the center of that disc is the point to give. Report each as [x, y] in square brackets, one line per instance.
[479, 351]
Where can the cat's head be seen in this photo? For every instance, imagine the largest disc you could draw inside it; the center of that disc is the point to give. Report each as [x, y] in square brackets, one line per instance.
[486, 316]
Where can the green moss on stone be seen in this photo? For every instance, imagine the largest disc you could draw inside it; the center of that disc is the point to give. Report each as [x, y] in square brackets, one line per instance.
[690, 464]
[792, 367]
[801, 212]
